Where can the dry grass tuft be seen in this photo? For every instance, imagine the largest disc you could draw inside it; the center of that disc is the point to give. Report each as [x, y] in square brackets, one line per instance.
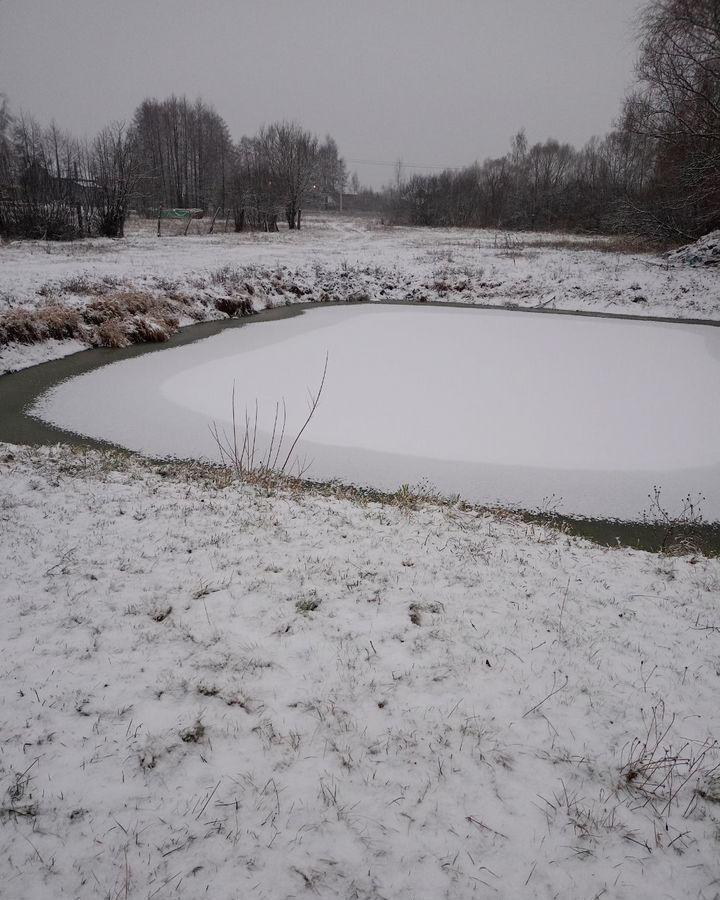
[26, 326]
[61, 322]
[130, 317]
[234, 306]
[111, 334]
[127, 303]
[20, 325]
[148, 330]
[82, 285]
[654, 772]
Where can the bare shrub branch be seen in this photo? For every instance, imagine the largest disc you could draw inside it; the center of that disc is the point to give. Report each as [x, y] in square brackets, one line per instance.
[239, 449]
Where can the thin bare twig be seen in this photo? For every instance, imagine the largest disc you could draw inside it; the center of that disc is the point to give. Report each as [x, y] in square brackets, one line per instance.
[313, 406]
[545, 699]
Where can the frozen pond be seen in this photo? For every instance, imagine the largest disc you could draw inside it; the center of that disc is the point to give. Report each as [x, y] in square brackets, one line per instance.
[494, 405]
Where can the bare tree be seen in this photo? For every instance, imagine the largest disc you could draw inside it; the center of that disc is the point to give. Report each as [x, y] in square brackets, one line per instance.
[55, 187]
[330, 172]
[291, 154]
[255, 191]
[113, 173]
[41, 195]
[6, 124]
[677, 105]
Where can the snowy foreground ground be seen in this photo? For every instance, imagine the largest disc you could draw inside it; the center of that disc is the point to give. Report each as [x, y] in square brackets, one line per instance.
[212, 690]
[335, 258]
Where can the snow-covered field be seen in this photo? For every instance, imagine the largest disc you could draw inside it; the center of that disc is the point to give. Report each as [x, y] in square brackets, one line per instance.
[339, 258]
[218, 691]
[503, 408]
[224, 690]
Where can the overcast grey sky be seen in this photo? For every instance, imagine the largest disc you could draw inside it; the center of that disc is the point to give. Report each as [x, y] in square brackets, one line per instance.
[432, 82]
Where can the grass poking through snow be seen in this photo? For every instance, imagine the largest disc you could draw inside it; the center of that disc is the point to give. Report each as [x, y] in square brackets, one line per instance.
[213, 688]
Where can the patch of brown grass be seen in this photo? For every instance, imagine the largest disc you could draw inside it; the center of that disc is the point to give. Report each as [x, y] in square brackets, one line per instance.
[114, 320]
[20, 325]
[130, 317]
[234, 306]
[30, 326]
[621, 243]
[111, 334]
[82, 285]
[122, 304]
[148, 330]
[61, 322]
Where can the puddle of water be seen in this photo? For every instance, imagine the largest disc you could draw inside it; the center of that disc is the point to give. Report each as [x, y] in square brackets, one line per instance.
[500, 407]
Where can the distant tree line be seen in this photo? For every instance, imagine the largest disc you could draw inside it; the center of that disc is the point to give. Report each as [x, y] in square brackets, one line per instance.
[545, 186]
[174, 154]
[657, 173]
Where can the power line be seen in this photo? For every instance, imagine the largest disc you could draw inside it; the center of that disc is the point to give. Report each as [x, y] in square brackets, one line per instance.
[392, 165]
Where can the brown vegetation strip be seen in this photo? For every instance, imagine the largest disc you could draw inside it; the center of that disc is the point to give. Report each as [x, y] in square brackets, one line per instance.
[114, 320]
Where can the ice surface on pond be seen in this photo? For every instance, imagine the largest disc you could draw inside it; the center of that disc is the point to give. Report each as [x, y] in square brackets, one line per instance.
[496, 405]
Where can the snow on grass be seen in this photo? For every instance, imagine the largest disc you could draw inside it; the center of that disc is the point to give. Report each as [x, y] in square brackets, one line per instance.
[209, 689]
[336, 257]
[17, 356]
[703, 252]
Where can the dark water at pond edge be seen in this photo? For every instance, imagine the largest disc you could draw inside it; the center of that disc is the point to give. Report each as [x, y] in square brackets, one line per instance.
[20, 390]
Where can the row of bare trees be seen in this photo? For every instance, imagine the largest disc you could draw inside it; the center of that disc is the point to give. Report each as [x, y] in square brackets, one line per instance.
[174, 154]
[56, 187]
[185, 154]
[547, 185]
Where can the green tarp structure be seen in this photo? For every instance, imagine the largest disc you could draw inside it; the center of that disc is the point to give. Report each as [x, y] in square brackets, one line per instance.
[180, 214]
